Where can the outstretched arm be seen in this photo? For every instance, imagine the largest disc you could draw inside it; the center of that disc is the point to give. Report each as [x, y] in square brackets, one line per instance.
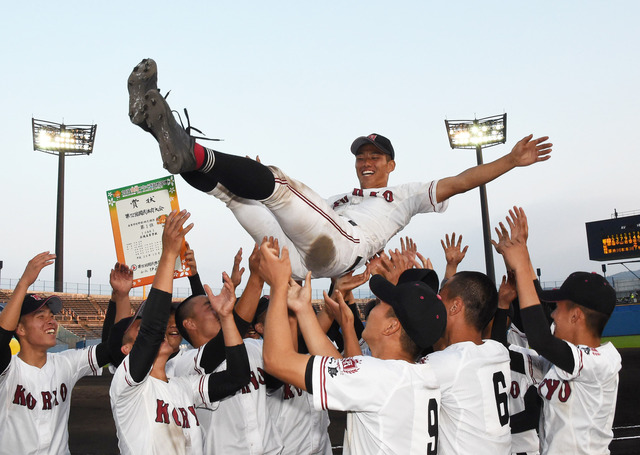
[10, 316]
[526, 152]
[513, 247]
[280, 358]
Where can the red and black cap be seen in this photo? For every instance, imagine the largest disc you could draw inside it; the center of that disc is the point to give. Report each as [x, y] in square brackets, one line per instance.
[418, 308]
[33, 302]
[587, 289]
[380, 142]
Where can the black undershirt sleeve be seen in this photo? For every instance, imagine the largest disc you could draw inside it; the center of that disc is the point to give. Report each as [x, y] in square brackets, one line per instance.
[5, 349]
[152, 331]
[530, 417]
[553, 349]
[308, 375]
[499, 328]
[517, 361]
[237, 374]
[213, 353]
[357, 323]
[196, 285]
[109, 320]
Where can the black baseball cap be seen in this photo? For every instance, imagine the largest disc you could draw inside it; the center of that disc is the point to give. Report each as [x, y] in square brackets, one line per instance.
[380, 142]
[587, 289]
[33, 302]
[419, 309]
[427, 276]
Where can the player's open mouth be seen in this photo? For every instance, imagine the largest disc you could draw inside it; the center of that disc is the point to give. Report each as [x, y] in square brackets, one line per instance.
[174, 333]
[367, 172]
[51, 332]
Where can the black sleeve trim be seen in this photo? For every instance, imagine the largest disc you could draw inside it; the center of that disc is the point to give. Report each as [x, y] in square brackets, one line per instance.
[102, 354]
[517, 361]
[499, 328]
[357, 323]
[554, 349]
[213, 353]
[196, 285]
[109, 320]
[152, 331]
[5, 349]
[237, 374]
[308, 374]
[529, 418]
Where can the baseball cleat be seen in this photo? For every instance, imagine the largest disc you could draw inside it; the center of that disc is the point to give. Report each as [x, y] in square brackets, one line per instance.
[143, 78]
[176, 145]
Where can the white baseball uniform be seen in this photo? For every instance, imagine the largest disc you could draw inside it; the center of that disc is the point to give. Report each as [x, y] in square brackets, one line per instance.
[240, 423]
[393, 404]
[330, 237]
[578, 406]
[158, 417]
[34, 413]
[526, 441]
[474, 382]
[303, 428]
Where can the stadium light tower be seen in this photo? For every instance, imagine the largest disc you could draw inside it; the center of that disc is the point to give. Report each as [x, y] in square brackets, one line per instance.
[476, 134]
[60, 139]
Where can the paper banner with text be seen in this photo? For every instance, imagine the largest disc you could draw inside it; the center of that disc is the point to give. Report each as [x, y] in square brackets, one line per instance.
[138, 213]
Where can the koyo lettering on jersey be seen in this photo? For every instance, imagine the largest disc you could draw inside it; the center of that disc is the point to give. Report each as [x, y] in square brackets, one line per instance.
[387, 195]
[179, 416]
[548, 388]
[255, 380]
[22, 397]
[290, 392]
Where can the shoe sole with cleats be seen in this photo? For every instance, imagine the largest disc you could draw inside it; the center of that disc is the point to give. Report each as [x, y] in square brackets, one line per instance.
[143, 78]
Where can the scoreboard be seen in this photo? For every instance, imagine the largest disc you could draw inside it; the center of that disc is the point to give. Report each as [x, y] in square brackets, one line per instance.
[616, 238]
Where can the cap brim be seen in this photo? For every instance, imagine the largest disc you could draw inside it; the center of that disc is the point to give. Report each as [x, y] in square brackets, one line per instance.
[553, 295]
[382, 288]
[54, 303]
[363, 140]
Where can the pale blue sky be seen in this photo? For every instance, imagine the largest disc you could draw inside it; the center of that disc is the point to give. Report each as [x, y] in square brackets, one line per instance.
[296, 82]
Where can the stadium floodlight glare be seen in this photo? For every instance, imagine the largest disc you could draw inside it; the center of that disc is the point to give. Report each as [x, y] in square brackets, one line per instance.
[469, 134]
[56, 138]
[60, 139]
[476, 134]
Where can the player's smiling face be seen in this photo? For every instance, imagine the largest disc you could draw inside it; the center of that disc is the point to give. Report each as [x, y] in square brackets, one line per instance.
[39, 328]
[376, 322]
[172, 335]
[373, 167]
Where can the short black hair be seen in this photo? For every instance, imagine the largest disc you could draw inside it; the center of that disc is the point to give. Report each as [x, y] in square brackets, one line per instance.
[184, 311]
[479, 295]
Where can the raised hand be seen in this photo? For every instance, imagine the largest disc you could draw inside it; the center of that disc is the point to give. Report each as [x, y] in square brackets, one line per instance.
[453, 252]
[121, 279]
[174, 233]
[190, 258]
[35, 266]
[528, 151]
[348, 282]
[236, 271]
[507, 292]
[224, 302]
[275, 268]
[299, 297]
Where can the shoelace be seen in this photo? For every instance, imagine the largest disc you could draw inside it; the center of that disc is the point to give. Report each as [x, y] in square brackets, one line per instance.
[189, 127]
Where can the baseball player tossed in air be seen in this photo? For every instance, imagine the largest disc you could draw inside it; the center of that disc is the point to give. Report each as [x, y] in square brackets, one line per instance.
[576, 375]
[394, 402]
[154, 413]
[35, 386]
[328, 237]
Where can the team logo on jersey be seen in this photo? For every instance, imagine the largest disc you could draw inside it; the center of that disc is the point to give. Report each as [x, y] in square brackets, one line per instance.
[350, 365]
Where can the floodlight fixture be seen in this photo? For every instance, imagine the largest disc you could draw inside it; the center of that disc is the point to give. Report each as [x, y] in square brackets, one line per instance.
[476, 134]
[485, 132]
[57, 138]
[60, 139]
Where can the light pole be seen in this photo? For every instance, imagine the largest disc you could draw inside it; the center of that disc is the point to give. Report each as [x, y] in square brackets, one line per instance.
[60, 139]
[88, 283]
[475, 134]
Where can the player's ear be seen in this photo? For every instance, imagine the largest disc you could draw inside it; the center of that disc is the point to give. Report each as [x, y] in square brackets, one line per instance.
[391, 165]
[20, 330]
[456, 307]
[189, 324]
[393, 326]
